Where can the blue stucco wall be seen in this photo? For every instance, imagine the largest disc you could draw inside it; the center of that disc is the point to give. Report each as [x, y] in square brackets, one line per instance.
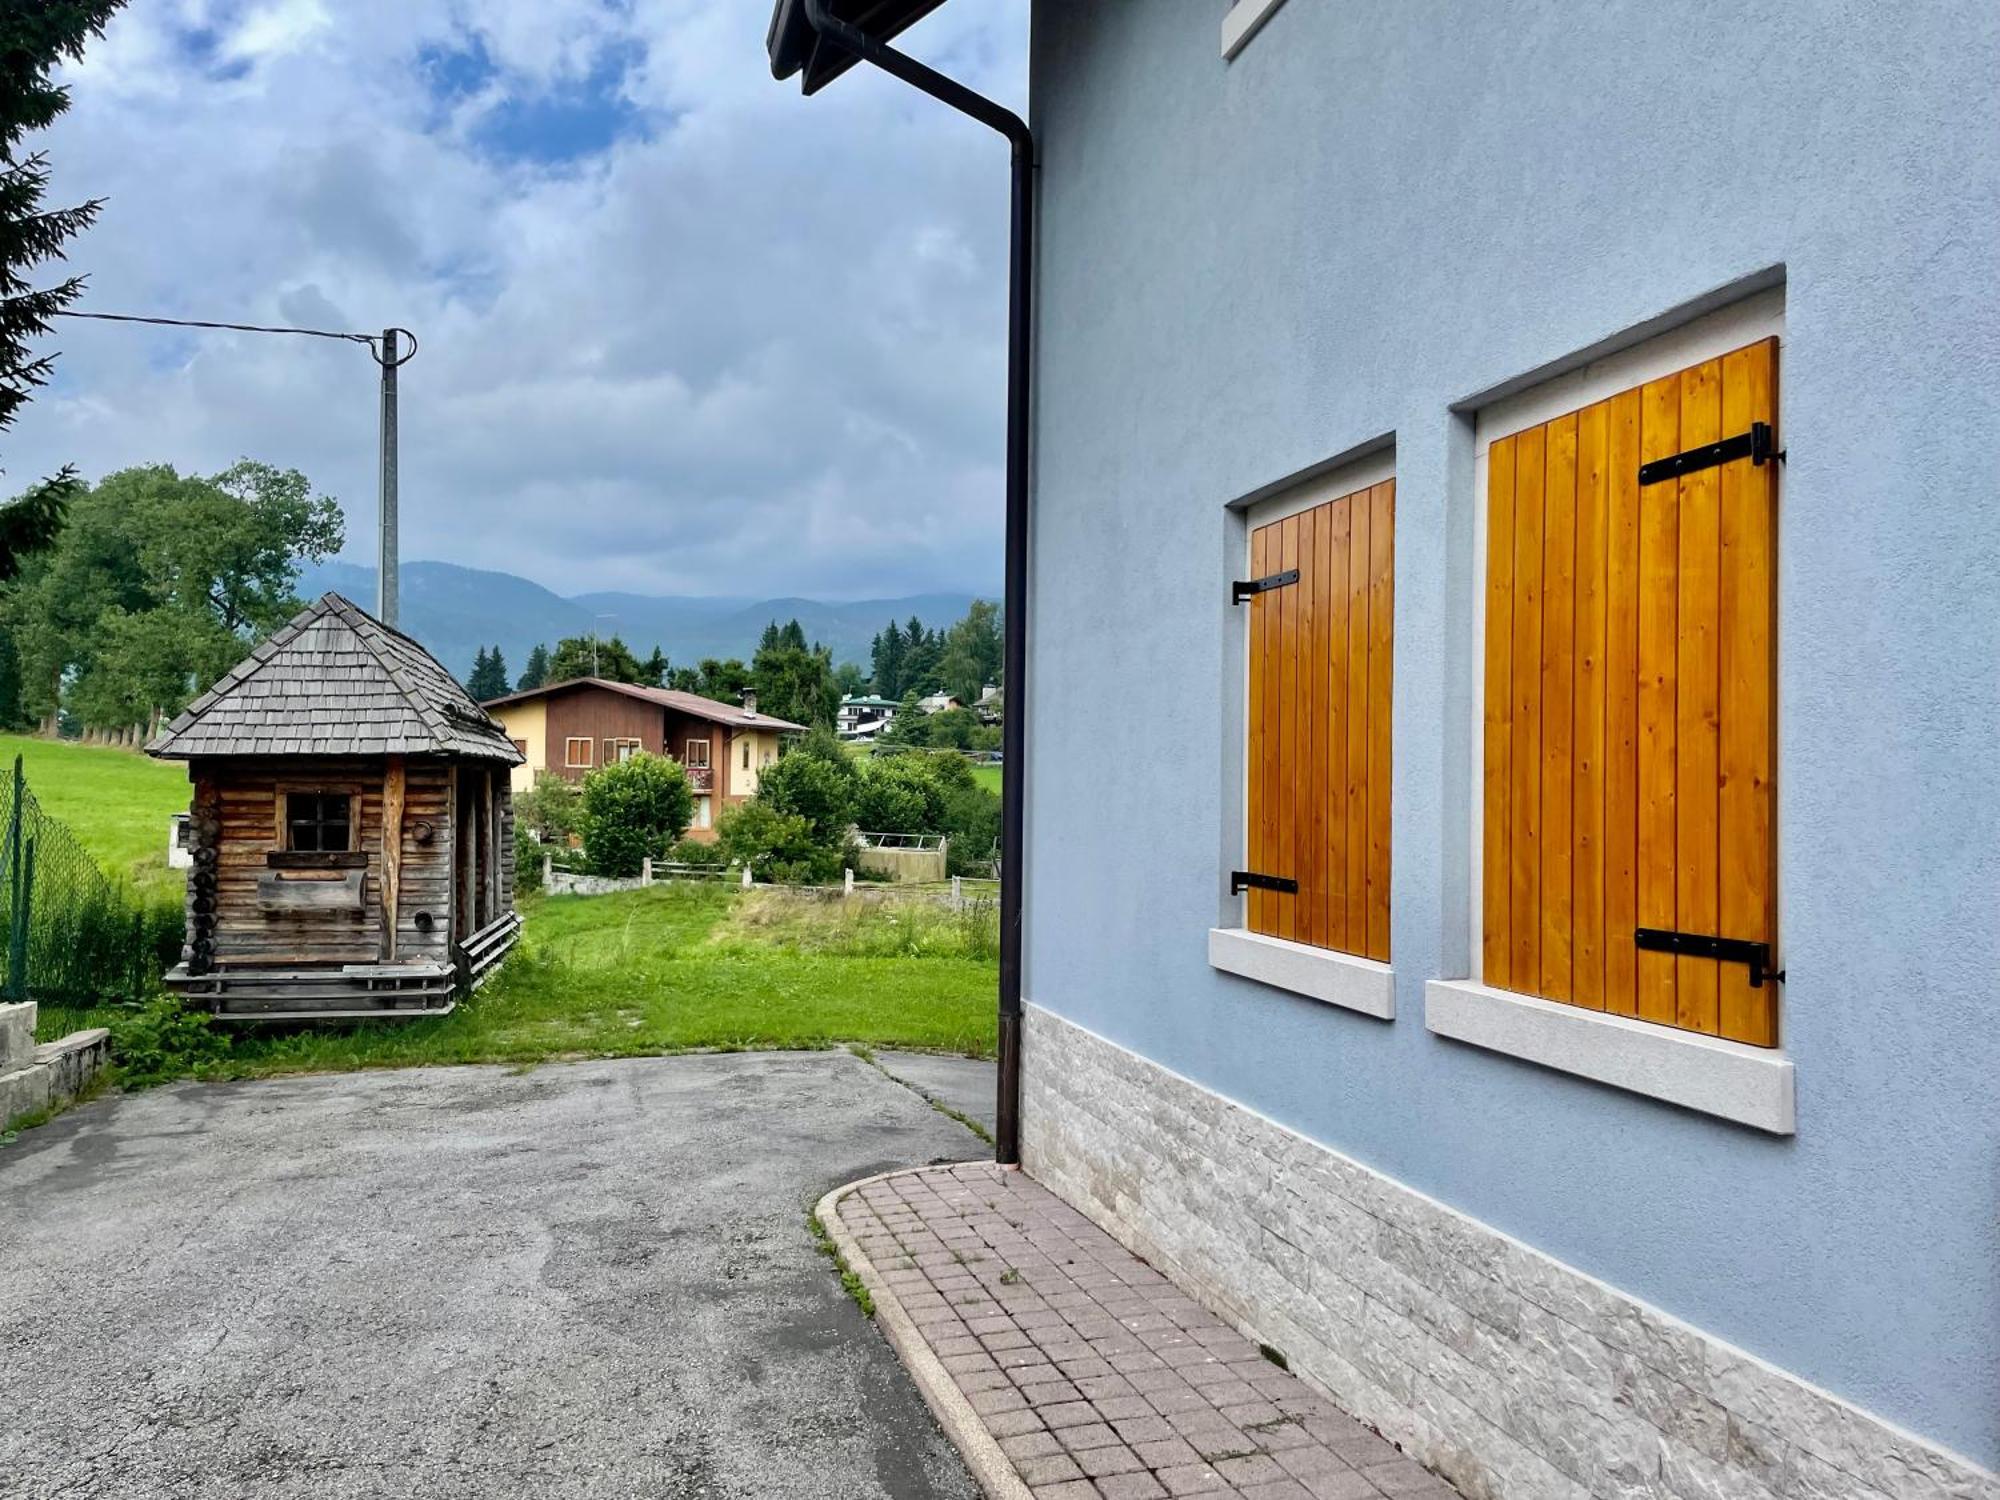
[1379, 210]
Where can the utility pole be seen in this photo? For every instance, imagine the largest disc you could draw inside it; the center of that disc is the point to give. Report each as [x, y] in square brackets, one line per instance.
[386, 562]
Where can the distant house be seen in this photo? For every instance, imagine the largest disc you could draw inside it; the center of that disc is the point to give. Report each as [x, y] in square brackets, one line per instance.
[937, 703]
[571, 728]
[352, 831]
[862, 718]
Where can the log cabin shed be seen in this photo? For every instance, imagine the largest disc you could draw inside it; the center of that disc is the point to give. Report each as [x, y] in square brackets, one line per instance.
[352, 828]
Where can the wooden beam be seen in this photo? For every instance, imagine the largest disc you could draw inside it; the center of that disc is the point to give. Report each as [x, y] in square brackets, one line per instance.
[393, 782]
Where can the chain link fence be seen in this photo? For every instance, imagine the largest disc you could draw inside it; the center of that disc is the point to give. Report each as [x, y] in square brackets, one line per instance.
[74, 937]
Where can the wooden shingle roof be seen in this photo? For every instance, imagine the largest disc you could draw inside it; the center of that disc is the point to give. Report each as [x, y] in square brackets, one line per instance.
[336, 681]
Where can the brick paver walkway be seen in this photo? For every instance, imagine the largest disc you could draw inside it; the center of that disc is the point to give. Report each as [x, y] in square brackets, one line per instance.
[1098, 1377]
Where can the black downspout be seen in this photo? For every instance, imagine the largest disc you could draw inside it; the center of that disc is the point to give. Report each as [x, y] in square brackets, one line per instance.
[1013, 736]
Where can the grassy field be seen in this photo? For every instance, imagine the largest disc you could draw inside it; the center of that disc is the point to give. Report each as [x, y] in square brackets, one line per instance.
[116, 801]
[677, 968]
[988, 777]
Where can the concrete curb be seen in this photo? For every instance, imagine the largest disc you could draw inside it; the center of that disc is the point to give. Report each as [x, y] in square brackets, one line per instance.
[991, 1468]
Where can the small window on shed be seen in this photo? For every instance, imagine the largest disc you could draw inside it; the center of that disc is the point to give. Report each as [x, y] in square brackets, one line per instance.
[578, 752]
[319, 822]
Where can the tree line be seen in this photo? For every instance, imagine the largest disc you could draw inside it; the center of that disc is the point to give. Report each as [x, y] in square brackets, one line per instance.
[793, 678]
[961, 660]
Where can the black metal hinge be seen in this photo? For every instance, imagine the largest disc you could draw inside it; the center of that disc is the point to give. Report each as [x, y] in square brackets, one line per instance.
[1239, 591]
[1241, 880]
[1754, 445]
[1727, 950]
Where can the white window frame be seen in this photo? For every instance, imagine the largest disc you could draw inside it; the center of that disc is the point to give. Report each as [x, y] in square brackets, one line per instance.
[1243, 20]
[1346, 980]
[691, 763]
[1733, 1080]
[570, 762]
[621, 748]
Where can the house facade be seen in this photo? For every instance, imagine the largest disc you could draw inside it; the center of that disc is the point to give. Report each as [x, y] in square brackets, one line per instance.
[1514, 499]
[571, 728]
[862, 716]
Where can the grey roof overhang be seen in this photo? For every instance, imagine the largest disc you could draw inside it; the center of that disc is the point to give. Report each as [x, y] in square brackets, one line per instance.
[796, 48]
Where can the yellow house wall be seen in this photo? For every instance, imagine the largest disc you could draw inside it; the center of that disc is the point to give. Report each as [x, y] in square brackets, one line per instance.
[530, 722]
[763, 751]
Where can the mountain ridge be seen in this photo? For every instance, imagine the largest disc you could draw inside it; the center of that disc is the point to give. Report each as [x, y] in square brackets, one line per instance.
[456, 611]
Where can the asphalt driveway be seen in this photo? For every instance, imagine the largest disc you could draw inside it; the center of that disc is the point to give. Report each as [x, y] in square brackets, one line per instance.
[586, 1279]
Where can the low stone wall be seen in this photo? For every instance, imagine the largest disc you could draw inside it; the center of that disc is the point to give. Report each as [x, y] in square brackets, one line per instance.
[575, 883]
[37, 1077]
[1513, 1375]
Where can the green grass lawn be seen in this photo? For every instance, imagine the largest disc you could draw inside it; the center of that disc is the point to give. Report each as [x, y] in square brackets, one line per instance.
[117, 802]
[676, 968]
[988, 777]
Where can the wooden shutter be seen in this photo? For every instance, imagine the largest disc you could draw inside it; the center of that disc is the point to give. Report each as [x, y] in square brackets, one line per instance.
[1321, 652]
[1629, 728]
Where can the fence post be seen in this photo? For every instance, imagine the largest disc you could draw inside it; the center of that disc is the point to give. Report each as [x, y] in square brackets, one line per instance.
[17, 959]
[847, 883]
[17, 906]
[957, 893]
[646, 870]
[746, 877]
[548, 869]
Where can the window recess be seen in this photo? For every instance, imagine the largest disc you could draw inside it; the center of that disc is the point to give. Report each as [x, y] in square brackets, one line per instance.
[1320, 597]
[1629, 731]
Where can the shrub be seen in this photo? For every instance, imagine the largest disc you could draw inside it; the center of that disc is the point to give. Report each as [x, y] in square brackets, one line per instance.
[777, 846]
[552, 808]
[632, 809]
[696, 852]
[900, 794]
[809, 785]
[527, 860]
[162, 1040]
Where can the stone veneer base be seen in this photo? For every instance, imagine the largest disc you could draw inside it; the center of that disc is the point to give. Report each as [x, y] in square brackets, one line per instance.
[1513, 1375]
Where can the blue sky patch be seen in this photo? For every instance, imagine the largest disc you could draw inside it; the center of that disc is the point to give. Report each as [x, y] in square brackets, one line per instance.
[551, 126]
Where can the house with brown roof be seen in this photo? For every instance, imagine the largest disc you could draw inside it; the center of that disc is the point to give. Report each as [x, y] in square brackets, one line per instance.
[352, 829]
[571, 728]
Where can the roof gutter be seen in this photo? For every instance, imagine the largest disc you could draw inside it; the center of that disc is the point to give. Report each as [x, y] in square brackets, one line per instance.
[1014, 652]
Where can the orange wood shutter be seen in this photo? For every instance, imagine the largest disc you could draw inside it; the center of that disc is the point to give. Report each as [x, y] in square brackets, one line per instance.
[1629, 730]
[1321, 658]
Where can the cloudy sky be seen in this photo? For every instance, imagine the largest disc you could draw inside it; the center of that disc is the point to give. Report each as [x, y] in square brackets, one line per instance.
[683, 331]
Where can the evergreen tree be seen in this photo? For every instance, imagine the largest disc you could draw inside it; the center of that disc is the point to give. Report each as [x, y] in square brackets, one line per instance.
[794, 681]
[921, 653]
[35, 39]
[653, 672]
[911, 725]
[537, 670]
[887, 662]
[489, 676]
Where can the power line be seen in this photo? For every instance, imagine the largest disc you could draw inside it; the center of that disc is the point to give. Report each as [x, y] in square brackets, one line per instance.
[373, 341]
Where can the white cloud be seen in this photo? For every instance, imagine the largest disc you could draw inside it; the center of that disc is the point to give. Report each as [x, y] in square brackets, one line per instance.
[682, 330]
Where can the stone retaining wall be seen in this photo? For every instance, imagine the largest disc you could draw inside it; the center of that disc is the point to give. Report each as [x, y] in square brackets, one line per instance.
[1515, 1376]
[37, 1077]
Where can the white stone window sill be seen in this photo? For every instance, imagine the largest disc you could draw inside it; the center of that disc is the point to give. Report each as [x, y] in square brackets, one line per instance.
[1750, 1085]
[1358, 984]
[1240, 23]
